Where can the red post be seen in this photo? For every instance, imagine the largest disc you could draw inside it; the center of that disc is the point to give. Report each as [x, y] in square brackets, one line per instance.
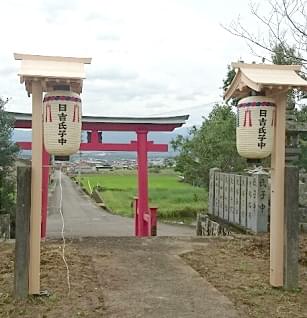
[45, 182]
[95, 137]
[142, 182]
[136, 216]
[153, 215]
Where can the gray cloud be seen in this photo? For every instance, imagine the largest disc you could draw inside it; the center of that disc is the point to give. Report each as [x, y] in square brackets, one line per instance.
[111, 74]
[155, 106]
[53, 9]
[8, 70]
[97, 16]
[139, 89]
[185, 97]
[52, 6]
[108, 37]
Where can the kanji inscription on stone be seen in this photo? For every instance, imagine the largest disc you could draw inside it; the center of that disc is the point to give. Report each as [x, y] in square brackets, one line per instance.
[257, 219]
[263, 203]
[251, 202]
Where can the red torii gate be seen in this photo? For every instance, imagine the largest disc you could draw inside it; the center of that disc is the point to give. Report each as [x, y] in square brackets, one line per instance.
[95, 126]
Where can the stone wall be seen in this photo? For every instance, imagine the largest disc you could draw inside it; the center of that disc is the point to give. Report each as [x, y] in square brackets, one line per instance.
[240, 199]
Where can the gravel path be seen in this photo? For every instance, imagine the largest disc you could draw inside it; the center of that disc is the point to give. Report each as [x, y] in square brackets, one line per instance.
[147, 278]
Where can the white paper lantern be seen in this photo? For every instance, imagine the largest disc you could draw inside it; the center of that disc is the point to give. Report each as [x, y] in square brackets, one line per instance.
[255, 126]
[62, 122]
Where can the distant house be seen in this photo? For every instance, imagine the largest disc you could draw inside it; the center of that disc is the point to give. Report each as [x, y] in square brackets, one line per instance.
[105, 166]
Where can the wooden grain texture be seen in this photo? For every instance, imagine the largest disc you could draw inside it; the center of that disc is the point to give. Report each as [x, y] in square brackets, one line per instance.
[23, 210]
[36, 186]
[291, 244]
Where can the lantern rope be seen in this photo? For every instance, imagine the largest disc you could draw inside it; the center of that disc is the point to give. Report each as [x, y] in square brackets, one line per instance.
[62, 232]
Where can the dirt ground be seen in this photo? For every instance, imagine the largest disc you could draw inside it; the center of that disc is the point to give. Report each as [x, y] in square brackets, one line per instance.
[116, 277]
[239, 268]
[128, 277]
[85, 299]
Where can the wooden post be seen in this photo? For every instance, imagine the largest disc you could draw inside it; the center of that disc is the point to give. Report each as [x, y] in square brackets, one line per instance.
[291, 227]
[36, 188]
[23, 209]
[277, 194]
[45, 184]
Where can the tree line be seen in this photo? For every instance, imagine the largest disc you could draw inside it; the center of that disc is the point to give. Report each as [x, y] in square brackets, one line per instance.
[8, 155]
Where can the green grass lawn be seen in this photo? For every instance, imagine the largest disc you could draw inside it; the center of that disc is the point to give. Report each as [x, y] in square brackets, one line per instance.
[174, 199]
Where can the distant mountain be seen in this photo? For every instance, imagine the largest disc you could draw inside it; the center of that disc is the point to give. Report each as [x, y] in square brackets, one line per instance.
[118, 137]
[22, 135]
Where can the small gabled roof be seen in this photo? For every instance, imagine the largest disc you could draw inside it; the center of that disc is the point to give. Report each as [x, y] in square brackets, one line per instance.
[260, 76]
[51, 66]
[52, 70]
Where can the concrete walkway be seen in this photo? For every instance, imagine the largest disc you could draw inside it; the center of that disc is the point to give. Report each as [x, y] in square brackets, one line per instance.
[146, 278]
[139, 277]
[84, 218]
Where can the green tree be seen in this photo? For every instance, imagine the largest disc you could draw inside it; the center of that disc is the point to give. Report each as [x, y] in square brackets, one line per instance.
[8, 153]
[231, 73]
[301, 117]
[212, 145]
[290, 55]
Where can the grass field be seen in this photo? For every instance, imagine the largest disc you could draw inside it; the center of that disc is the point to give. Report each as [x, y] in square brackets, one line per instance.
[174, 199]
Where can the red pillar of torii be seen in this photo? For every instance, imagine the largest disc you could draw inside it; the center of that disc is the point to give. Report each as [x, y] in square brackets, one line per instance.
[95, 125]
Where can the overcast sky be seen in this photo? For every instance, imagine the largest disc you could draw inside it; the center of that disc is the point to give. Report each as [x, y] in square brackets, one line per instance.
[150, 57]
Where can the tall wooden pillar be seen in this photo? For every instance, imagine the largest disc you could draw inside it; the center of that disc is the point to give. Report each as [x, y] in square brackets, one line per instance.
[142, 182]
[36, 188]
[45, 183]
[277, 194]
